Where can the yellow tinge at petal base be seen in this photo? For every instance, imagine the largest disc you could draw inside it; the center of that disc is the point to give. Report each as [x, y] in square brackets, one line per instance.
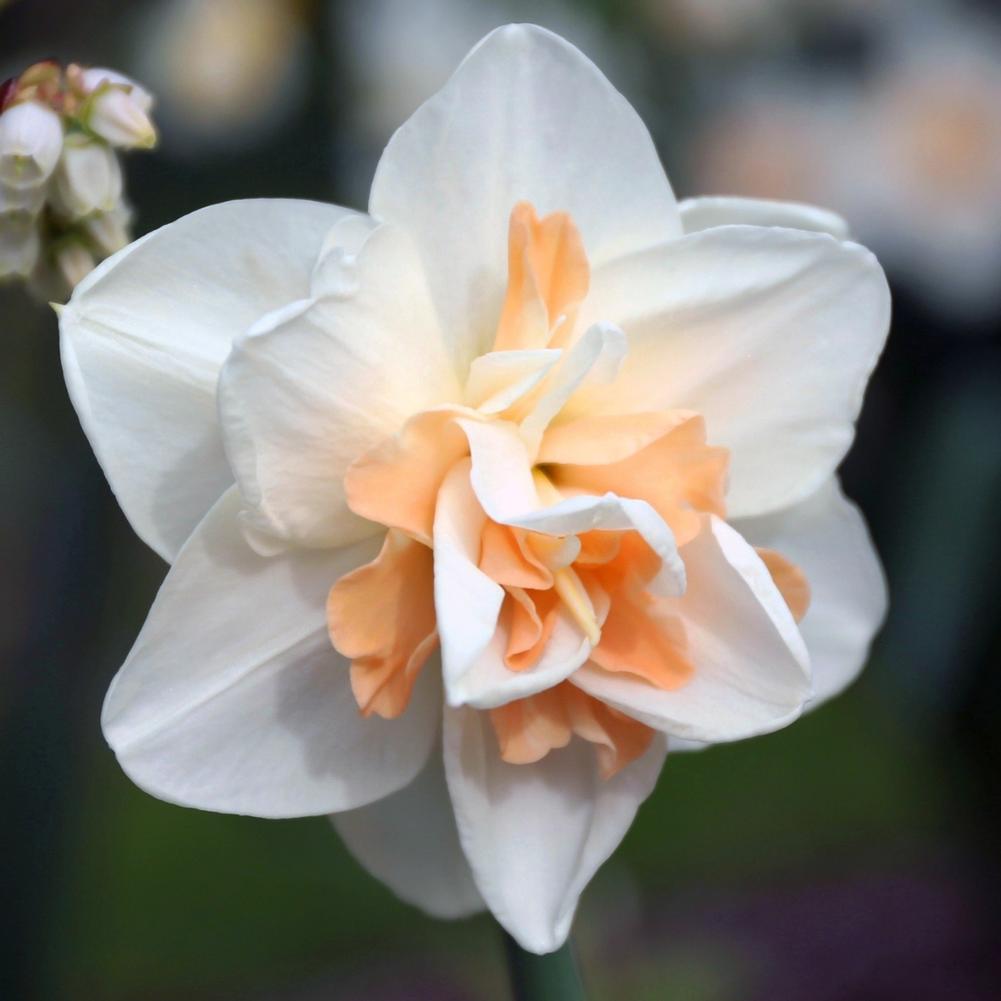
[566, 583]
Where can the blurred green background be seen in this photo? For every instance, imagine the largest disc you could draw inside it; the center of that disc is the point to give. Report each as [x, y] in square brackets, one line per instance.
[852, 857]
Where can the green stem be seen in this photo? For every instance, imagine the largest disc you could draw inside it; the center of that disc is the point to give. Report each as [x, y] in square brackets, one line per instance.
[553, 977]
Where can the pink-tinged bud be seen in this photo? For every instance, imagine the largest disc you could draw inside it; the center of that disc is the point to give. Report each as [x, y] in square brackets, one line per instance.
[20, 244]
[31, 139]
[87, 180]
[8, 91]
[118, 109]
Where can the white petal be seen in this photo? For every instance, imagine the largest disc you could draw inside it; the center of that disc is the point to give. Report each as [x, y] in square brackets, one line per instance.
[596, 357]
[610, 513]
[144, 337]
[409, 841]
[705, 213]
[489, 682]
[31, 139]
[526, 116]
[335, 272]
[467, 601]
[87, 180]
[536, 834]
[314, 386]
[501, 472]
[751, 666]
[500, 378]
[233, 698]
[826, 537]
[96, 75]
[20, 244]
[770, 333]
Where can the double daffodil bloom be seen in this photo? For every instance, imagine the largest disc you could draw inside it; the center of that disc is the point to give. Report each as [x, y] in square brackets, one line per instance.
[478, 500]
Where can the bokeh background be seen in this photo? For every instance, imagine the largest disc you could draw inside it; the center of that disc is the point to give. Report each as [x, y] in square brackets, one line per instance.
[852, 857]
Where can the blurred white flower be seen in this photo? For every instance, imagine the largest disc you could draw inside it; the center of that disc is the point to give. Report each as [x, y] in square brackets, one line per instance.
[920, 168]
[909, 153]
[767, 143]
[31, 139]
[20, 243]
[87, 180]
[758, 24]
[74, 262]
[29, 199]
[225, 72]
[109, 231]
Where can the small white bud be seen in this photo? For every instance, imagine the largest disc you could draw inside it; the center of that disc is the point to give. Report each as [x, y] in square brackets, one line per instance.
[92, 78]
[31, 138]
[20, 244]
[87, 180]
[109, 231]
[74, 262]
[118, 110]
[26, 200]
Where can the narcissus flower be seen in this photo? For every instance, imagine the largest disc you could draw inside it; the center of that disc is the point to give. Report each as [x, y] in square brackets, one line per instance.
[475, 501]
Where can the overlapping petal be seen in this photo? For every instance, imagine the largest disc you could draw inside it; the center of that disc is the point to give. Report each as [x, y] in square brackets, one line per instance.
[313, 387]
[715, 210]
[535, 834]
[826, 537]
[525, 117]
[144, 337]
[233, 699]
[409, 841]
[751, 665]
[769, 333]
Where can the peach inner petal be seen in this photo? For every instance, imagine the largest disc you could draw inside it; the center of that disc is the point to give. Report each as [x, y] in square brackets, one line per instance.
[529, 618]
[638, 636]
[528, 729]
[396, 483]
[548, 276]
[507, 557]
[790, 580]
[381, 617]
[676, 472]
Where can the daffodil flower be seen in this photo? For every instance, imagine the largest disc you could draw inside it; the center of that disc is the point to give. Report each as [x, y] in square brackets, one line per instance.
[476, 501]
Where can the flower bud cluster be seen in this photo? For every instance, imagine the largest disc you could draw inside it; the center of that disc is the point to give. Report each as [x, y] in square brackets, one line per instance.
[62, 207]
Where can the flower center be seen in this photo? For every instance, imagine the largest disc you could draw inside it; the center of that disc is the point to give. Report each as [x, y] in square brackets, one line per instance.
[568, 524]
[566, 583]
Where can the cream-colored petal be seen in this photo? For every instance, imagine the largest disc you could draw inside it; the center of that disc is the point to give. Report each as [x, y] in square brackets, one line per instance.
[499, 379]
[525, 117]
[313, 387]
[707, 212]
[146, 333]
[409, 841]
[233, 699]
[467, 601]
[535, 834]
[826, 537]
[770, 333]
[751, 667]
